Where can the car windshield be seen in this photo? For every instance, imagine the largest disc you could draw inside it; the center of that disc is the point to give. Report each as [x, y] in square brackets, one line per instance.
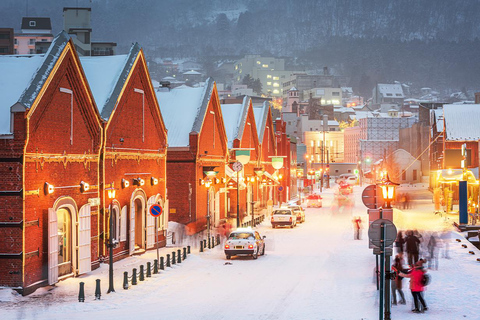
[241, 235]
[282, 212]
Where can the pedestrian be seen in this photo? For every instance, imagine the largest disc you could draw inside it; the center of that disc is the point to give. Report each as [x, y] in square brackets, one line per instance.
[399, 242]
[397, 283]
[416, 285]
[357, 225]
[432, 252]
[412, 244]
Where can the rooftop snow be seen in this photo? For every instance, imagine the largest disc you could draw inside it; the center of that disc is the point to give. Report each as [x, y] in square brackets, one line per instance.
[232, 114]
[393, 89]
[102, 74]
[461, 122]
[179, 108]
[17, 73]
[258, 113]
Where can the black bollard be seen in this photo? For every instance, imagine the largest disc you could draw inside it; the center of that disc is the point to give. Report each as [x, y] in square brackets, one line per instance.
[162, 264]
[213, 242]
[174, 259]
[141, 276]
[201, 246]
[218, 239]
[81, 292]
[155, 266]
[188, 249]
[149, 268]
[134, 277]
[168, 260]
[209, 246]
[204, 243]
[179, 256]
[98, 293]
[125, 280]
[184, 253]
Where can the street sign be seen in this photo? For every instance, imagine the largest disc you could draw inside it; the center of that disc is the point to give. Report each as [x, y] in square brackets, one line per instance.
[375, 232]
[280, 188]
[237, 166]
[156, 210]
[370, 195]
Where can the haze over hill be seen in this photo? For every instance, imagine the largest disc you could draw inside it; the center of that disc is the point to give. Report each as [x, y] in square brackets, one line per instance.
[425, 42]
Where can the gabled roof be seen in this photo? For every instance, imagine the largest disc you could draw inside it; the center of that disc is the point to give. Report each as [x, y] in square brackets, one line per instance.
[183, 111]
[40, 23]
[395, 89]
[23, 76]
[461, 122]
[261, 115]
[107, 76]
[235, 119]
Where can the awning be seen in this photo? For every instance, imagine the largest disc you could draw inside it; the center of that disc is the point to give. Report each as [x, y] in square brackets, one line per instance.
[454, 175]
[233, 175]
[269, 176]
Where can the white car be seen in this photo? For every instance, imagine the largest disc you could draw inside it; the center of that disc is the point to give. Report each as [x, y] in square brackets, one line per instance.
[244, 241]
[284, 217]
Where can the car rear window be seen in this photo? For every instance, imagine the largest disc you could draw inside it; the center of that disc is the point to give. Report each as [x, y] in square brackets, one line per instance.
[241, 235]
[282, 212]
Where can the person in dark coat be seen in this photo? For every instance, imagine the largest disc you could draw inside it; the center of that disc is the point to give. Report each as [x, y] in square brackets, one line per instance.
[399, 242]
[397, 283]
[412, 244]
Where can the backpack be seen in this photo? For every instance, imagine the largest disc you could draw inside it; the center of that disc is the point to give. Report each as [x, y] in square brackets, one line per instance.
[425, 279]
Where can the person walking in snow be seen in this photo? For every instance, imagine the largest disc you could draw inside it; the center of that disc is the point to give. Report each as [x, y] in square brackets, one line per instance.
[399, 242]
[357, 226]
[397, 283]
[412, 244]
[417, 286]
[432, 252]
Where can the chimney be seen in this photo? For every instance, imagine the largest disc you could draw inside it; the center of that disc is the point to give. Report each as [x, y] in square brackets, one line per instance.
[325, 71]
[477, 97]
[164, 86]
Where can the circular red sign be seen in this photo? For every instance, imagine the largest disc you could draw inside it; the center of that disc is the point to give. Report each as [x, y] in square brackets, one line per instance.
[156, 210]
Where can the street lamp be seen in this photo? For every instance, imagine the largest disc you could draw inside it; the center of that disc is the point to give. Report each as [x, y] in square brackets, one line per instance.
[388, 190]
[111, 196]
[242, 156]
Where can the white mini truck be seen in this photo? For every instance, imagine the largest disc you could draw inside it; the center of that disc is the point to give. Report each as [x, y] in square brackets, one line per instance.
[244, 241]
[284, 217]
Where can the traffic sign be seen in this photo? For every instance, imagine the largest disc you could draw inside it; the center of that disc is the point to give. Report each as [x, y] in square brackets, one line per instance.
[280, 188]
[375, 232]
[237, 166]
[370, 195]
[156, 210]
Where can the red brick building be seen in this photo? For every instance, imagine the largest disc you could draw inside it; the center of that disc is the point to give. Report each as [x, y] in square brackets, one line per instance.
[268, 147]
[49, 198]
[133, 153]
[197, 154]
[240, 125]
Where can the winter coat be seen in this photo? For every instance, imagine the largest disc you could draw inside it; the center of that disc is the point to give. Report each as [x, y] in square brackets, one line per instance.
[416, 277]
[412, 244]
[398, 279]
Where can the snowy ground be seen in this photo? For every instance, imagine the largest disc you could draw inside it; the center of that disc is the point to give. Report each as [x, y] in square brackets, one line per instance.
[315, 271]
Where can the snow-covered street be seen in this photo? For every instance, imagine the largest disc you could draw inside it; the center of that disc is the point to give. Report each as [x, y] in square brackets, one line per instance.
[314, 271]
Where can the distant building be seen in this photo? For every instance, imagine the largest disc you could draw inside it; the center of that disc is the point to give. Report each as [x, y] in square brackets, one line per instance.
[303, 81]
[326, 95]
[6, 41]
[77, 23]
[35, 37]
[387, 96]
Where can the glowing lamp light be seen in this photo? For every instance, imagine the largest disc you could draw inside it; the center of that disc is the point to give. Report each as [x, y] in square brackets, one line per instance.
[242, 156]
[111, 193]
[277, 163]
[139, 182]
[49, 188]
[388, 190]
[154, 181]
[84, 186]
[125, 183]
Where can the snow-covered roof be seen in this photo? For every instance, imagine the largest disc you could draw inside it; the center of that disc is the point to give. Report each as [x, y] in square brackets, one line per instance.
[293, 89]
[260, 115]
[183, 109]
[104, 74]
[23, 76]
[191, 72]
[234, 119]
[461, 122]
[395, 90]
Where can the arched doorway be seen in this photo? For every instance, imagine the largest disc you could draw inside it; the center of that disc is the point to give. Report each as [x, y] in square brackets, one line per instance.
[139, 232]
[137, 229]
[64, 231]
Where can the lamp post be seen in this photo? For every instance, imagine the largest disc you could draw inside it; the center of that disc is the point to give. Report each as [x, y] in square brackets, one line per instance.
[211, 174]
[243, 157]
[111, 196]
[388, 191]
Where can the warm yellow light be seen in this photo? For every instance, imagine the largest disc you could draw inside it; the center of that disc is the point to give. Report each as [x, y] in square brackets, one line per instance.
[49, 188]
[84, 186]
[111, 193]
[125, 183]
[450, 171]
[154, 181]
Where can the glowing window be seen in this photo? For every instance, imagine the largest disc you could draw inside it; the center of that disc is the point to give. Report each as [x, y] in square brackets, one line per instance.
[275, 84]
[269, 76]
[276, 91]
[276, 78]
[258, 62]
[269, 83]
[264, 65]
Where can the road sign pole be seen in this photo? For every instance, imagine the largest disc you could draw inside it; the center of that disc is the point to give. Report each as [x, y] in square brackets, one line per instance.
[156, 237]
[387, 288]
[238, 204]
[382, 268]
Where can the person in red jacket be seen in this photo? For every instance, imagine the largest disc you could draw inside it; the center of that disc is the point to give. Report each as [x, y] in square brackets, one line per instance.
[416, 285]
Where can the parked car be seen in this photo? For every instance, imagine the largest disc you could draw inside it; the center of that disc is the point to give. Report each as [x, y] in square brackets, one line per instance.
[314, 201]
[299, 212]
[284, 217]
[347, 177]
[244, 241]
[345, 188]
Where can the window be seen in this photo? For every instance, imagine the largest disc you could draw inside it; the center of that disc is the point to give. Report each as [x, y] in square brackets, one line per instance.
[398, 95]
[336, 94]
[269, 83]
[258, 62]
[3, 49]
[269, 76]
[389, 94]
[264, 65]
[289, 123]
[414, 175]
[276, 78]
[336, 170]
[32, 51]
[276, 91]
[16, 51]
[275, 84]
[32, 23]
[404, 175]
[15, 41]
[349, 171]
[31, 41]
